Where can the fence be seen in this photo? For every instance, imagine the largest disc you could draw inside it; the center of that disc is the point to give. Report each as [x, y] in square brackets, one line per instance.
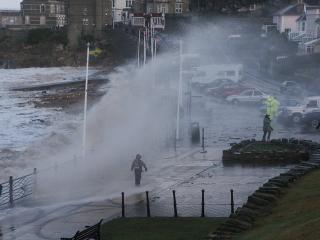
[177, 208]
[16, 189]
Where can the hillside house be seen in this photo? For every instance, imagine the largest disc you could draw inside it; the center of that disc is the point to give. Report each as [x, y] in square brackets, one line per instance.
[10, 18]
[172, 7]
[286, 18]
[46, 13]
[88, 18]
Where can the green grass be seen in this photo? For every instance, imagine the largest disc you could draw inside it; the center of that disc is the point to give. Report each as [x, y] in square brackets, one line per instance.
[261, 146]
[159, 228]
[296, 217]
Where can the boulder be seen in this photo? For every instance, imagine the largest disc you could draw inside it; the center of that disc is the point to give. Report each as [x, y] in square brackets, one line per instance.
[265, 196]
[258, 201]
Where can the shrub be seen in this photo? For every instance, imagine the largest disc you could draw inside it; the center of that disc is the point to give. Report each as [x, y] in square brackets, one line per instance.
[36, 36]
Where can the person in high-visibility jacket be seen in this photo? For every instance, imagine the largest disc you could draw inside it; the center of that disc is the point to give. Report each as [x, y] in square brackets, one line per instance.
[272, 106]
[96, 52]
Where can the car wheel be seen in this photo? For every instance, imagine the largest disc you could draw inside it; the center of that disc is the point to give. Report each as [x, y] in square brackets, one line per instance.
[296, 118]
[235, 101]
[314, 123]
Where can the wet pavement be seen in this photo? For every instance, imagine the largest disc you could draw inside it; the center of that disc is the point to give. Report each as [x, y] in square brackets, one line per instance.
[188, 174]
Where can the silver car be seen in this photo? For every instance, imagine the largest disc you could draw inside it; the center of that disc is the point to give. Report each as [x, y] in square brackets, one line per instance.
[248, 96]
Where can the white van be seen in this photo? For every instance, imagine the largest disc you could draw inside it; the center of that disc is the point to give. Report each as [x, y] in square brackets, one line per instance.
[210, 73]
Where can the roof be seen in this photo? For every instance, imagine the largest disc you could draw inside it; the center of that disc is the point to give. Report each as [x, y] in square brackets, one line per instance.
[313, 7]
[10, 12]
[302, 18]
[313, 98]
[291, 10]
[312, 42]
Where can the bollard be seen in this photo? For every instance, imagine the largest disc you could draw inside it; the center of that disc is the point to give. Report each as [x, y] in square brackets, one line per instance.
[202, 204]
[203, 147]
[148, 204]
[174, 203]
[122, 205]
[232, 202]
[11, 192]
[34, 181]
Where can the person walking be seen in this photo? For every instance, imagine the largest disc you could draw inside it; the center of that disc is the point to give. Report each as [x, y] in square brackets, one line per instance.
[267, 129]
[137, 166]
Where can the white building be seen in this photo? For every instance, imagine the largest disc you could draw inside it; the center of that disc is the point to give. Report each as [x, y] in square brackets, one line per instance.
[121, 9]
[286, 18]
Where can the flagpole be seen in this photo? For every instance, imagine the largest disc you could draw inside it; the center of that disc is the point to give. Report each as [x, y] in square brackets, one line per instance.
[85, 106]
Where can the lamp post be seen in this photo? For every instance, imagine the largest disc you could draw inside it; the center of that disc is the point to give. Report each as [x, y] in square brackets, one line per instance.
[179, 93]
[85, 106]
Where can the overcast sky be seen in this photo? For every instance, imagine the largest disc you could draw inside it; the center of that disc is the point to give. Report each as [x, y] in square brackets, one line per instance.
[10, 4]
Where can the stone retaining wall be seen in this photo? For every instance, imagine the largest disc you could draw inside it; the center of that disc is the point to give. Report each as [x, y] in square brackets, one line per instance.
[261, 202]
[286, 151]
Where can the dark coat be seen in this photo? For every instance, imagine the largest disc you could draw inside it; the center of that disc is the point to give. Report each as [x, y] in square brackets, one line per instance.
[267, 124]
[138, 164]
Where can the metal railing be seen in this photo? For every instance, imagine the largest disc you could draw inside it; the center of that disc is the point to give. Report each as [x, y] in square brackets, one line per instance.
[147, 206]
[16, 189]
[138, 21]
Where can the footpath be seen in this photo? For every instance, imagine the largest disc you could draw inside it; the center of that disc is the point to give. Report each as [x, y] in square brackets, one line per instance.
[188, 172]
[64, 220]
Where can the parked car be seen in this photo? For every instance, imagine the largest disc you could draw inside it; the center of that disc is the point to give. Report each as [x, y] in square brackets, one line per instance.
[226, 90]
[311, 119]
[207, 87]
[290, 87]
[283, 105]
[295, 114]
[248, 96]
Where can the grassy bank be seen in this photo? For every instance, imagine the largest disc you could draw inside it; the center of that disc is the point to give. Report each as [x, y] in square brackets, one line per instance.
[159, 228]
[296, 216]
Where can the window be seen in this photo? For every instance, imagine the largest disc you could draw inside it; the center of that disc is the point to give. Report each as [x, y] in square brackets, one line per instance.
[303, 26]
[129, 3]
[257, 93]
[247, 93]
[85, 21]
[179, 7]
[162, 8]
[310, 49]
[52, 9]
[312, 104]
[42, 8]
[27, 20]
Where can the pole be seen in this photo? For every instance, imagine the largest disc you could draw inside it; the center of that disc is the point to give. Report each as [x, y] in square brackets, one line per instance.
[11, 192]
[122, 205]
[155, 49]
[113, 14]
[232, 202]
[144, 48]
[175, 204]
[151, 40]
[202, 203]
[179, 93]
[34, 181]
[85, 106]
[139, 43]
[148, 204]
[203, 147]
